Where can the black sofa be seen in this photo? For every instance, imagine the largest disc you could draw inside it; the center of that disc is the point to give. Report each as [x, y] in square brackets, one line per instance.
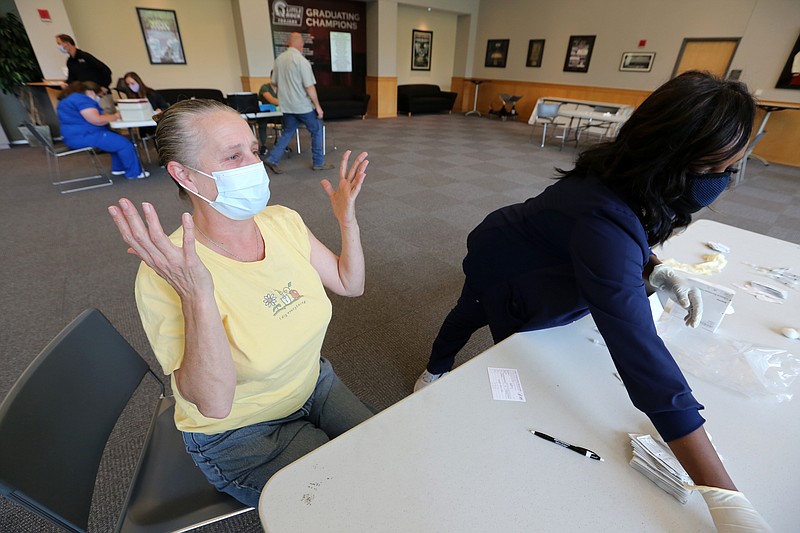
[423, 98]
[342, 102]
[173, 96]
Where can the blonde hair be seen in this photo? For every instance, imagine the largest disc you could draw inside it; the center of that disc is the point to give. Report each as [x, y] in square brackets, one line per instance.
[177, 136]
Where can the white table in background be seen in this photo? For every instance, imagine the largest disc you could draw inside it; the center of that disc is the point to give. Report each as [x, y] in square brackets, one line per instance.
[451, 459]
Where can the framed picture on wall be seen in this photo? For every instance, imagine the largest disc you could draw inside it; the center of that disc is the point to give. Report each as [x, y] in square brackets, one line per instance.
[421, 45]
[535, 51]
[579, 53]
[790, 75]
[496, 53]
[162, 37]
[637, 61]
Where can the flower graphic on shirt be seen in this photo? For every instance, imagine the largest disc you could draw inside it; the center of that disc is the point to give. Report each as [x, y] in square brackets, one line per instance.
[280, 299]
[270, 300]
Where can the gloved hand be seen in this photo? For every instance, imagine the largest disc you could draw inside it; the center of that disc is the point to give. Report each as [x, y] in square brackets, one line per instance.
[731, 511]
[665, 279]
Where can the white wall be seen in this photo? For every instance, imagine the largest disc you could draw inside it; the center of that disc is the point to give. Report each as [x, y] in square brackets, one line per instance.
[768, 29]
[43, 34]
[444, 26]
[256, 49]
[110, 31]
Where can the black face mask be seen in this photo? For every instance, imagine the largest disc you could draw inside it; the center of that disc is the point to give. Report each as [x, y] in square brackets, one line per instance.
[701, 190]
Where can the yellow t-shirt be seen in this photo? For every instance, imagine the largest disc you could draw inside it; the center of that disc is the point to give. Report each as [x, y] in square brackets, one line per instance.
[275, 313]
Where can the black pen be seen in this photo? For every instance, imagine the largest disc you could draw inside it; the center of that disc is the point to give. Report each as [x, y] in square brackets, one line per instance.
[583, 451]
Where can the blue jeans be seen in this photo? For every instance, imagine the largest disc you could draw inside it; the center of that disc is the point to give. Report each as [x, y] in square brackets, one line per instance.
[123, 153]
[291, 122]
[240, 461]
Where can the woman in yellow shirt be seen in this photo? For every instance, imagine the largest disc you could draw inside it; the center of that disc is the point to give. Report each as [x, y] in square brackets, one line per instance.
[234, 302]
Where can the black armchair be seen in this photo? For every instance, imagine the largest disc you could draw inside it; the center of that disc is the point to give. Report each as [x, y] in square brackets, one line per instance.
[173, 96]
[342, 102]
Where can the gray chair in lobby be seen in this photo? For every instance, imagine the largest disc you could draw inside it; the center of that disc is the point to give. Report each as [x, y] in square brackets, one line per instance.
[546, 114]
[55, 151]
[55, 423]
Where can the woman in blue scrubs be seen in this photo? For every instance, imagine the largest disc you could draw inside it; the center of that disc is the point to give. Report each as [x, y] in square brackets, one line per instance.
[84, 124]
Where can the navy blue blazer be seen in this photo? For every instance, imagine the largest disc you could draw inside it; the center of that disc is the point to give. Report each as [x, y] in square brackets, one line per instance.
[574, 249]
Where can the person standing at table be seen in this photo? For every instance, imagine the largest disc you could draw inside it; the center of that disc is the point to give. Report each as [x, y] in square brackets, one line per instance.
[584, 246]
[295, 82]
[83, 66]
[234, 301]
[267, 94]
[83, 124]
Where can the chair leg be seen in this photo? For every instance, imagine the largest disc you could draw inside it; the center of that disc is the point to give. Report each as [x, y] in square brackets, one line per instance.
[544, 133]
[98, 167]
[146, 149]
[324, 150]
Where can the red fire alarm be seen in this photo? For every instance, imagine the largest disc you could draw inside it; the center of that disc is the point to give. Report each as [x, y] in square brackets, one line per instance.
[642, 43]
[44, 15]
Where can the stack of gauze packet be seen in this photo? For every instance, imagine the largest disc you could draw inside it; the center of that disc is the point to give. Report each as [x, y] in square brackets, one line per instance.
[656, 462]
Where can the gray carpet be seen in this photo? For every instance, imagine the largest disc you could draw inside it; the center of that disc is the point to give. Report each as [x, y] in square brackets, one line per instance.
[431, 179]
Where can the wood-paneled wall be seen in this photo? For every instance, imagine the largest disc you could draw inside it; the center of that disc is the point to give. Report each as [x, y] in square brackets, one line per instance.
[383, 96]
[253, 83]
[489, 94]
[780, 145]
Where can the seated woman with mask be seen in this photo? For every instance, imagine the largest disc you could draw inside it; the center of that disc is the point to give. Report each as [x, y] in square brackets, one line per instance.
[138, 89]
[83, 124]
[234, 302]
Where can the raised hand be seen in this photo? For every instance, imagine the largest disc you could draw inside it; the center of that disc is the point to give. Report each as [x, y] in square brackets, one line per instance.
[351, 177]
[179, 266]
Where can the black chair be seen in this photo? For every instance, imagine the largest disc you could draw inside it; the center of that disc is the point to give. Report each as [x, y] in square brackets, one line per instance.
[56, 420]
[55, 151]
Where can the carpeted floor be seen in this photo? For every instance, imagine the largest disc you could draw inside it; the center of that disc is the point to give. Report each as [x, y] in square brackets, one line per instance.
[431, 179]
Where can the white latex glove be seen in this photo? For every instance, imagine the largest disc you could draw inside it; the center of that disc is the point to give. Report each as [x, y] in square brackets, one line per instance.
[665, 279]
[731, 511]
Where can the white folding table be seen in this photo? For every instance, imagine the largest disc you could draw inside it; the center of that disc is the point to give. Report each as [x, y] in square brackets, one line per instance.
[450, 458]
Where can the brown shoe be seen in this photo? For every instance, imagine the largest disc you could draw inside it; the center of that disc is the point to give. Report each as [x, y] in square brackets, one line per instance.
[274, 168]
[324, 166]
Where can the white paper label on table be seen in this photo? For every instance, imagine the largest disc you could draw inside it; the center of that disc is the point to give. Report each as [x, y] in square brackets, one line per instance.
[506, 384]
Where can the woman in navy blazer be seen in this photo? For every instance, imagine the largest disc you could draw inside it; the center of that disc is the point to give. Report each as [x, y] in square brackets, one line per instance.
[583, 246]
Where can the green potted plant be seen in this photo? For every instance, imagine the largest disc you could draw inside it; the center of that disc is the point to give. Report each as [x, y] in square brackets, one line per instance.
[18, 66]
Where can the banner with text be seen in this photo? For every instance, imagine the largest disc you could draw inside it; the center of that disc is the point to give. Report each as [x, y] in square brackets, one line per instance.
[335, 35]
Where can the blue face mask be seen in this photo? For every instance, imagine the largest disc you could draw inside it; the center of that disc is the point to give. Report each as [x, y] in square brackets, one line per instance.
[241, 192]
[702, 190]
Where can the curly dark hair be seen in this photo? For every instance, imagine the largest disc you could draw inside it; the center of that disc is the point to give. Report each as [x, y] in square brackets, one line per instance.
[695, 119]
[79, 87]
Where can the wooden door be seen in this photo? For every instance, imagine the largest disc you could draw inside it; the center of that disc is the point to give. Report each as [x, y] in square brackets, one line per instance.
[712, 55]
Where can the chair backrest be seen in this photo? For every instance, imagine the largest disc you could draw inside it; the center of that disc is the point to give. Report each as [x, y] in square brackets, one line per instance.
[545, 110]
[45, 141]
[173, 96]
[56, 419]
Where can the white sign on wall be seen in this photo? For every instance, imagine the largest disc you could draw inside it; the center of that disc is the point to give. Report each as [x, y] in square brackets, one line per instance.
[341, 52]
